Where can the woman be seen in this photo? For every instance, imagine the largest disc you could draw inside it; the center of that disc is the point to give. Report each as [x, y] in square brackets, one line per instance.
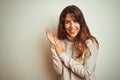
[75, 49]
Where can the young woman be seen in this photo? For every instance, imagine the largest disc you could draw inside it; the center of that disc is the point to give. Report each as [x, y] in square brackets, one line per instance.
[74, 48]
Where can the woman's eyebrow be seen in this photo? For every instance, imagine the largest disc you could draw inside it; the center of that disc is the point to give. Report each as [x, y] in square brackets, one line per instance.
[66, 20]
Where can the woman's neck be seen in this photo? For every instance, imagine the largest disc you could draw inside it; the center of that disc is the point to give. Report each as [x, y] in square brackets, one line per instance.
[70, 38]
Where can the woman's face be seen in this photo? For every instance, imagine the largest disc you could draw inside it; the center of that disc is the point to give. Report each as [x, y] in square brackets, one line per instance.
[72, 27]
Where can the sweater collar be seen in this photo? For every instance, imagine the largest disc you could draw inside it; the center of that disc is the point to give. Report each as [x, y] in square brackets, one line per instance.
[71, 39]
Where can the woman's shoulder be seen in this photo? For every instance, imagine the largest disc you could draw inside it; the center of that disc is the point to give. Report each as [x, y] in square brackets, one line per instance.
[90, 42]
[92, 45]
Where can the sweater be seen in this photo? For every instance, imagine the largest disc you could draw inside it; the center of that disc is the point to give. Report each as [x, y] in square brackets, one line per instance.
[72, 68]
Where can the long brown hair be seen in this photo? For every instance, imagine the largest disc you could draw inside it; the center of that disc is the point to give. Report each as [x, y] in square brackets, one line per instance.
[84, 32]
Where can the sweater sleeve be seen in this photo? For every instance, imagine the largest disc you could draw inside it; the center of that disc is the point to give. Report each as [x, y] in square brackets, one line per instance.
[83, 70]
[57, 63]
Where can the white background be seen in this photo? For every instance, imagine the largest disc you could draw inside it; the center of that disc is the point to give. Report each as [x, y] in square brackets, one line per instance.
[25, 51]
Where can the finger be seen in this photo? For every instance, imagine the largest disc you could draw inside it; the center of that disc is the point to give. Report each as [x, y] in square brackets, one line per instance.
[56, 39]
[48, 31]
[50, 36]
[55, 35]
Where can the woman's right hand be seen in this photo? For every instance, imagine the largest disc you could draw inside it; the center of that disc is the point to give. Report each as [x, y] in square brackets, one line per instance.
[55, 41]
[50, 36]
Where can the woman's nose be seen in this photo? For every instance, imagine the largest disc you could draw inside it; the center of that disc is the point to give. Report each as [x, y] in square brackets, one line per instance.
[72, 24]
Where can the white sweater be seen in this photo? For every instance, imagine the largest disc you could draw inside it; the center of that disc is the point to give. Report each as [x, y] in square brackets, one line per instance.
[71, 68]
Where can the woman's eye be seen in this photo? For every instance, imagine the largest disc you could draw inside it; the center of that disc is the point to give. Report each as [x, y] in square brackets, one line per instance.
[67, 22]
[75, 21]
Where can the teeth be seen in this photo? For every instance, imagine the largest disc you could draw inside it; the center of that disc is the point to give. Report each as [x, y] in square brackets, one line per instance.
[73, 30]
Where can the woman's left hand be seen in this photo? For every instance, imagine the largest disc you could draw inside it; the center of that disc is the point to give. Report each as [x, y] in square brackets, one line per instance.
[58, 46]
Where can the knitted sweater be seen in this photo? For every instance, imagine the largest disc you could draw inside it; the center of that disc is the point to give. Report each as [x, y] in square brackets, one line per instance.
[72, 68]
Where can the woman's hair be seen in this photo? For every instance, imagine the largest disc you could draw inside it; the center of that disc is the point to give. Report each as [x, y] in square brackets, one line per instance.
[84, 32]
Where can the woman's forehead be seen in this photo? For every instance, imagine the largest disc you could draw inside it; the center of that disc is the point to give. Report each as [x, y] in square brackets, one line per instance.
[69, 16]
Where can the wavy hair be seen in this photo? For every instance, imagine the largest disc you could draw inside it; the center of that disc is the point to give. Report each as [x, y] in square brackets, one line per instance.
[84, 32]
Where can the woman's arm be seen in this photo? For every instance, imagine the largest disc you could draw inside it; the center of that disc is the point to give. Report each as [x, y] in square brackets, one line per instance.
[79, 69]
[57, 63]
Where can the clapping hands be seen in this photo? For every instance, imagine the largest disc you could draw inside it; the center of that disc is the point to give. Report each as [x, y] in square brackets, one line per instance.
[55, 41]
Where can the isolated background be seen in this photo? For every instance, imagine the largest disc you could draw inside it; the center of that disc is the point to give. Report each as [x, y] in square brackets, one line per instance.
[25, 51]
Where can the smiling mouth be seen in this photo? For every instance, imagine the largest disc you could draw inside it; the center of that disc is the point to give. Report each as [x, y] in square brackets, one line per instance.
[72, 30]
